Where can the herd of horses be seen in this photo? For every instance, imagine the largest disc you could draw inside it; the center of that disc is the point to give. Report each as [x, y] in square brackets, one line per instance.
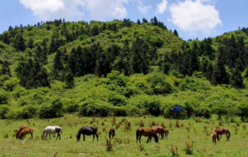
[150, 133]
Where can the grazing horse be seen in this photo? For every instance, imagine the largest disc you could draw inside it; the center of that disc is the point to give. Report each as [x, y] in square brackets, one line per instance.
[24, 132]
[20, 129]
[147, 133]
[165, 133]
[87, 131]
[52, 130]
[112, 132]
[214, 136]
[221, 131]
[161, 131]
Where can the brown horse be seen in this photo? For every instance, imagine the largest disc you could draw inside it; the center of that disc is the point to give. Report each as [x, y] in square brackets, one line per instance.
[214, 136]
[111, 132]
[147, 133]
[221, 131]
[161, 131]
[25, 132]
[20, 129]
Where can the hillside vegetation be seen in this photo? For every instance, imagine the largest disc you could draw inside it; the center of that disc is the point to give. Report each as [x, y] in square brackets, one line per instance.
[120, 68]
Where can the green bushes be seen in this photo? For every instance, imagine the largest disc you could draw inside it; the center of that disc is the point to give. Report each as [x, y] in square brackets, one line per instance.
[100, 108]
[3, 97]
[4, 111]
[53, 109]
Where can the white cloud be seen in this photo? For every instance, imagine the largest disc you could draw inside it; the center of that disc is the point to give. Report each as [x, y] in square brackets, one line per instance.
[102, 9]
[162, 7]
[195, 16]
[143, 8]
[75, 9]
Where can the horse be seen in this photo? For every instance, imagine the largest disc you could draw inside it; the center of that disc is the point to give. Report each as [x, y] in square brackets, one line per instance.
[53, 130]
[165, 133]
[214, 136]
[24, 132]
[221, 131]
[87, 131]
[161, 131]
[147, 133]
[21, 127]
[112, 132]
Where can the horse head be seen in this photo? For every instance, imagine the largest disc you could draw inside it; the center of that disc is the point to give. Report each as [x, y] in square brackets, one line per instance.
[155, 137]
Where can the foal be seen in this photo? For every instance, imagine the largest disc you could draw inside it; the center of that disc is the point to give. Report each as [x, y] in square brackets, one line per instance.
[52, 130]
[24, 132]
[87, 131]
[111, 132]
[147, 133]
[20, 129]
[160, 130]
[221, 131]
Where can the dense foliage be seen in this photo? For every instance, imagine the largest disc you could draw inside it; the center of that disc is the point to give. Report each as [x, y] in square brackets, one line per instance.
[120, 68]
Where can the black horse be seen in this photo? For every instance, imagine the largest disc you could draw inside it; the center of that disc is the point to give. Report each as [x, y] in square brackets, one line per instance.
[87, 131]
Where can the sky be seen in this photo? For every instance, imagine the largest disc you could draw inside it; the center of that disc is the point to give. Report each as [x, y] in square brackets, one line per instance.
[191, 18]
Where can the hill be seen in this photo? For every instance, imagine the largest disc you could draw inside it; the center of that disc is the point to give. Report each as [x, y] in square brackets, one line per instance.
[120, 68]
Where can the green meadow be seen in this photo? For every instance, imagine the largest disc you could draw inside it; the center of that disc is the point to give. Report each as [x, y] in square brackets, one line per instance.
[196, 132]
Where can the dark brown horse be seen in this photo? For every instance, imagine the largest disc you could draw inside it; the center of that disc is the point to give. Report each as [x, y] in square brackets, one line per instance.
[161, 131]
[221, 131]
[87, 131]
[20, 129]
[111, 132]
[214, 136]
[24, 132]
[147, 133]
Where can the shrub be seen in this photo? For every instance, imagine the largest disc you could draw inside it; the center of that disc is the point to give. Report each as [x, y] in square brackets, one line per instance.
[52, 109]
[97, 107]
[3, 97]
[29, 112]
[4, 109]
[189, 148]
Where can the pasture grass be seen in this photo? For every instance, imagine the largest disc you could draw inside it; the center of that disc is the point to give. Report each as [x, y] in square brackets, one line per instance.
[186, 138]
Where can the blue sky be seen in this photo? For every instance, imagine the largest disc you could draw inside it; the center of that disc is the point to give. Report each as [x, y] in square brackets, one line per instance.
[191, 18]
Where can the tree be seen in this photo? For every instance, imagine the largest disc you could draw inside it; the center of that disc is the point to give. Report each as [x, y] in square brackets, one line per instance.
[69, 79]
[175, 33]
[94, 31]
[57, 64]
[19, 42]
[5, 69]
[144, 20]
[138, 22]
[30, 43]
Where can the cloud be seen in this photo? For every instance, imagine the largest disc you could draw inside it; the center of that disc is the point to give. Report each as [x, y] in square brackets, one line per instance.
[73, 10]
[195, 16]
[162, 7]
[143, 8]
[102, 9]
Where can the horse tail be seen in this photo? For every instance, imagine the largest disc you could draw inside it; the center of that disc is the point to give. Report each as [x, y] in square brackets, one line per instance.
[229, 134]
[137, 135]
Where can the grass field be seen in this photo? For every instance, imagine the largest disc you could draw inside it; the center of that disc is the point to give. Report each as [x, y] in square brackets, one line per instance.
[196, 131]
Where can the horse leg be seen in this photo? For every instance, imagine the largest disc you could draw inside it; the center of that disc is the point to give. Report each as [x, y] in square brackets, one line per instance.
[147, 140]
[93, 137]
[140, 138]
[96, 136]
[84, 137]
[218, 137]
[50, 136]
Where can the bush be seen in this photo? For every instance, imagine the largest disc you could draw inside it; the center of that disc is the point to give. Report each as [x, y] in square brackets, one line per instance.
[97, 107]
[3, 97]
[52, 109]
[29, 112]
[117, 99]
[10, 84]
[4, 109]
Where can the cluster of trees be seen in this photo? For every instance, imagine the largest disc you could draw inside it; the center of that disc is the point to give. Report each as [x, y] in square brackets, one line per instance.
[59, 53]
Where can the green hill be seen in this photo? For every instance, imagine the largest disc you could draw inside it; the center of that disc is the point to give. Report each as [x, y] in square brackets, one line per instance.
[120, 68]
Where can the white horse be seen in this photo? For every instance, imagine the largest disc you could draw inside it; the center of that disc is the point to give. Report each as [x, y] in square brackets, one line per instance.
[53, 130]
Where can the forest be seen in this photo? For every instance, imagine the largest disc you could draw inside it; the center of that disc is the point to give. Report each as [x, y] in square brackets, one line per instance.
[121, 68]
